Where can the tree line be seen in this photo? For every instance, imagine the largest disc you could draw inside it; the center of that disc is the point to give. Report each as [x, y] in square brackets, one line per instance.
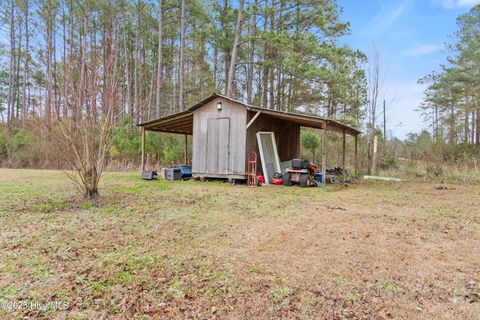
[452, 100]
[170, 54]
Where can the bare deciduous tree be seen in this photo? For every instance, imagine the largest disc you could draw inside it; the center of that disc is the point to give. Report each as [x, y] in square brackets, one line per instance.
[373, 78]
[86, 133]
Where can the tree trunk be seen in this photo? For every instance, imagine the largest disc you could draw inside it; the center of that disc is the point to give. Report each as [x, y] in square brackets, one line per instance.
[477, 125]
[226, 52]
[265, 58]
[173, 78]
[290, 92]
[452, 130]
[71, 46]
[235, 49]
[11, 82]
[64, 61]
[128, 80]
[272, 56]
[181, 71]
[49, 26]
[135, 67]
[17, 75]
[466, 131]
[54, 69]
[25, 102]
[215, 67]
[373, 92]
[159, 59]
[472, 131]
[92, 193]
[251, 54]
[374, 155]
[279, 98]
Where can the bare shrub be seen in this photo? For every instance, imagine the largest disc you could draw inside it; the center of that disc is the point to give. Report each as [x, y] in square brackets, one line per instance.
[90, 101]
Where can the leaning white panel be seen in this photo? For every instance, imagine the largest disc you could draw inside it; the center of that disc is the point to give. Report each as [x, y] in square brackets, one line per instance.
[268, 155]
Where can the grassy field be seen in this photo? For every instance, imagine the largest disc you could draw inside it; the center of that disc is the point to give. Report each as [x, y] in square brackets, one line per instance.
[156, 249]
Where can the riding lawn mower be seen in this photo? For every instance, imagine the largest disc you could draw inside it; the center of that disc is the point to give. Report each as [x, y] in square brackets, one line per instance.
[301, 172]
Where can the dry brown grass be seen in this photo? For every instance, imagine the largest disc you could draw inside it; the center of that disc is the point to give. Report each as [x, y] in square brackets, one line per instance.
[210, 250]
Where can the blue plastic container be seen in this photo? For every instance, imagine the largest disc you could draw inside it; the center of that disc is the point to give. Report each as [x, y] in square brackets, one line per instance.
[186, 171]
[319, 177]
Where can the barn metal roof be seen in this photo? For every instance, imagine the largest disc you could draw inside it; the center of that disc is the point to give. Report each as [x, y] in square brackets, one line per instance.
[182, 122]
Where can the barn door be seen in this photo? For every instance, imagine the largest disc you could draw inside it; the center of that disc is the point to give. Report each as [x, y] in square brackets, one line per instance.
[218, 145]
[268, 155]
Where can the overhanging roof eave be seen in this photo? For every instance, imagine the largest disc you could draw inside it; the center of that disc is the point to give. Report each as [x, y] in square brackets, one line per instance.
[188, 132]
[305, 120]
[179, 115]
[178, 123]
[309, 121]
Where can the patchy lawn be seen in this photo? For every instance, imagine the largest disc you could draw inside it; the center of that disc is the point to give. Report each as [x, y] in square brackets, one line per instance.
[155, 249]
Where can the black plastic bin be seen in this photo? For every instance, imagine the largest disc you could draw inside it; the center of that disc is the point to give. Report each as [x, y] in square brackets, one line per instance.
[300, 164]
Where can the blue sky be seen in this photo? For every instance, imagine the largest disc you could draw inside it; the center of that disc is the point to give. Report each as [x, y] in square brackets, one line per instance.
[410, 36]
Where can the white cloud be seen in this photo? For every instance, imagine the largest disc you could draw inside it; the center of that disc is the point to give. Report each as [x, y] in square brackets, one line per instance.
[387, 16]
[450, 4]
[423, 49]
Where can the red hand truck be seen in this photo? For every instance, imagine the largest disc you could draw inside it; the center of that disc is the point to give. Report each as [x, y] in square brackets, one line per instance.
[252, 169]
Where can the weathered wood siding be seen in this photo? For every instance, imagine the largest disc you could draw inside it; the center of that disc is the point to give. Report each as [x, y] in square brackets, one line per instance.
[287, 136]
[219, 139]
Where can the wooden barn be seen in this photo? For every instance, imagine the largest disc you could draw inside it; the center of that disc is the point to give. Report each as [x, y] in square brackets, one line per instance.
[224, 130]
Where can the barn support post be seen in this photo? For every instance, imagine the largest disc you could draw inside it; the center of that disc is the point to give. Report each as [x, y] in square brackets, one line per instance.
[143, 148]
[324, 155]
[344, 142]
[186, 148]
[356, 155]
